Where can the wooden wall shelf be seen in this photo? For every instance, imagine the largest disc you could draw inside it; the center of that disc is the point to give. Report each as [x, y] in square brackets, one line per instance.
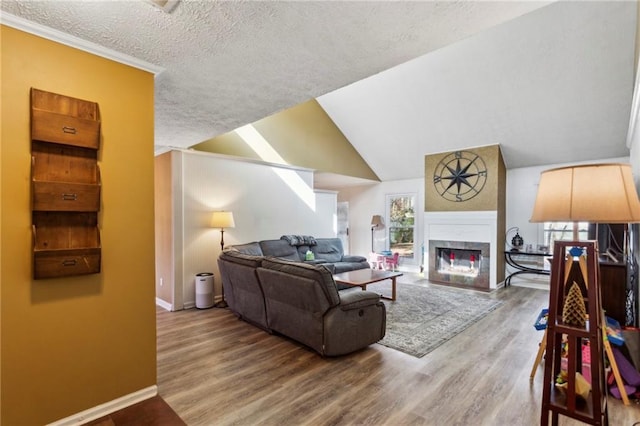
[62, 119]
[65, 180]
[65, 244]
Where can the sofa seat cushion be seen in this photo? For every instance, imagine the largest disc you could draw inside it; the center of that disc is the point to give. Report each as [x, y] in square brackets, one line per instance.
[340, 267]
[353, 258]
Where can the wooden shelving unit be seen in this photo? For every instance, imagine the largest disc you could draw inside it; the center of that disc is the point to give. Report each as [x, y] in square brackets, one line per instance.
[65, 180]
[584, 270]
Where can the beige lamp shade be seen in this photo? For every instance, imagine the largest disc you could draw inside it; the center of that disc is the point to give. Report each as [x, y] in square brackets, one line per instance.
[597, 193]
[222, 220]
[376, 221]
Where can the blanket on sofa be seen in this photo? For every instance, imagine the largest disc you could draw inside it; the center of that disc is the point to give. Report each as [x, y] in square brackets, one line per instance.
[299, 240]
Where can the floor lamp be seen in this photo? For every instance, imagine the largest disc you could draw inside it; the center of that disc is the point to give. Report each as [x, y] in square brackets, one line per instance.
[376, 222]
[222, 220]
[596, 193]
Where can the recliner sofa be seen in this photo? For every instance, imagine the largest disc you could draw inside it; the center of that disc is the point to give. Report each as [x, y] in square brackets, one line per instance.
[326, 251]
[301, 301]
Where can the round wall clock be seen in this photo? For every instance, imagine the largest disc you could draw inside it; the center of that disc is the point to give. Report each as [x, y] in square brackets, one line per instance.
[460, 176]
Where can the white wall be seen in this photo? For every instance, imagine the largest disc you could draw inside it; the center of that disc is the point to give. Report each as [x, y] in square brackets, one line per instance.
[366, 201]
[267, 201]
[522, 186]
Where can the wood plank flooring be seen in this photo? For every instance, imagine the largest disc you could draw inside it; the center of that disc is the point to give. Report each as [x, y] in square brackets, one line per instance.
[214, 369]
[151, 412]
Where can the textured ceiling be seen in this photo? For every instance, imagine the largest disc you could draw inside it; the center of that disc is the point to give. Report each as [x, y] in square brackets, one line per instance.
[231, 63]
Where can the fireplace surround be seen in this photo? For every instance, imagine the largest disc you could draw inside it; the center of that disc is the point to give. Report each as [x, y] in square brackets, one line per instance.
[462, 233]
[459, 262]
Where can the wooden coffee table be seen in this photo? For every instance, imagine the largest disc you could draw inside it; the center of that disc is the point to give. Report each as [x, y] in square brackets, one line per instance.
[363, 277]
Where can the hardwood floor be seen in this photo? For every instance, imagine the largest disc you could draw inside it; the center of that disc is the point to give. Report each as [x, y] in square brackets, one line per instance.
[214, 369]
[151, 412]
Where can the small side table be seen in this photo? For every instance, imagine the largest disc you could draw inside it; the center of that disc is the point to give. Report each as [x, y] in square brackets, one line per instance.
[511, 257]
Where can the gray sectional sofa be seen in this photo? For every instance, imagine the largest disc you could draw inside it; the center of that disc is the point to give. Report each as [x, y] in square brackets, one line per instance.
[301, 301]
[326, 251]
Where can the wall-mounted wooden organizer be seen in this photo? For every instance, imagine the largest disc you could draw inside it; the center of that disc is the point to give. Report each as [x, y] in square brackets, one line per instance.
[65, 177]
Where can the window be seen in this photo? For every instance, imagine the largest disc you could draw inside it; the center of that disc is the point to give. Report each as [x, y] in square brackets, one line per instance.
[401, 225]
[555, 231]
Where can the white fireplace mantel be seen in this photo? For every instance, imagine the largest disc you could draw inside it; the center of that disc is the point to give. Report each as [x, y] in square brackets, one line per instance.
[470, 226]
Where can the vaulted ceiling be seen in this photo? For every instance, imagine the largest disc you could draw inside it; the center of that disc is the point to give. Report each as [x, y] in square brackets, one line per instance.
[549, 81]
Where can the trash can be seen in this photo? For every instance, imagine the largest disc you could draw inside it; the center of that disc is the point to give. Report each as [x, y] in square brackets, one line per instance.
[204, 290]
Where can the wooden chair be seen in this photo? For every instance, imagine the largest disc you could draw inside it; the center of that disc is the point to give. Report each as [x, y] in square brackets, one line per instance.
[391, 261]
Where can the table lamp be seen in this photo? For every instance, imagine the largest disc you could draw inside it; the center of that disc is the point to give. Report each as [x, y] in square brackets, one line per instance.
[596, 193]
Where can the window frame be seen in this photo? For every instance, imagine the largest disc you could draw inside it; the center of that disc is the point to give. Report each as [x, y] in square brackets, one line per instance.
[565, 231]
[389, 226]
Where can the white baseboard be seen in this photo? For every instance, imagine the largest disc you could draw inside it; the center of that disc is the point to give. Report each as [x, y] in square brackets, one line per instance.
[164, 304]
[537, 286]
[187, 305]
[108, 407]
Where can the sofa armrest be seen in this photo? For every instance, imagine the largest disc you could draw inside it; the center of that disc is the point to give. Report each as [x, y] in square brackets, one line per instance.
[358, 321]
[353, 258]
[358, 299]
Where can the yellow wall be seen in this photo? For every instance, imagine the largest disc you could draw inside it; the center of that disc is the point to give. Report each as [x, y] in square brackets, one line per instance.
[304, 136]
[70, 344]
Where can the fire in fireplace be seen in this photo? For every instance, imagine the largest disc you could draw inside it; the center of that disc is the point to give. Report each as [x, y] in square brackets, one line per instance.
[459, 263]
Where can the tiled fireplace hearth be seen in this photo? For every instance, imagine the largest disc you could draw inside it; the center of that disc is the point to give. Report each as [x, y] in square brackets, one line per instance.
[462, 248]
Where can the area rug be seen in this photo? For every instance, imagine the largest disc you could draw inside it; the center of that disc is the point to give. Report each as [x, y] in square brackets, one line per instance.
[423, 317]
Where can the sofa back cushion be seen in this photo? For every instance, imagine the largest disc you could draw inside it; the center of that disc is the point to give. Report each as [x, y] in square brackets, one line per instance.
[252, 249]
[302, 252]
[232, 255]
[321, 275]
[328, 249]
[281, 249]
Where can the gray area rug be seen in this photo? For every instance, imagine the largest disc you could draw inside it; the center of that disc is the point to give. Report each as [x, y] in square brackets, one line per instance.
[423, 317]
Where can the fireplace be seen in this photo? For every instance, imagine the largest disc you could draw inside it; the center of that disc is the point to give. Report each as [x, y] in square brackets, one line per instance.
[459, 263]
[453, 261]
[462, 234]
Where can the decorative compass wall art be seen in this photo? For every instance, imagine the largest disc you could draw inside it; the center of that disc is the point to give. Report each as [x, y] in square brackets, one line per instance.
[460, 176]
